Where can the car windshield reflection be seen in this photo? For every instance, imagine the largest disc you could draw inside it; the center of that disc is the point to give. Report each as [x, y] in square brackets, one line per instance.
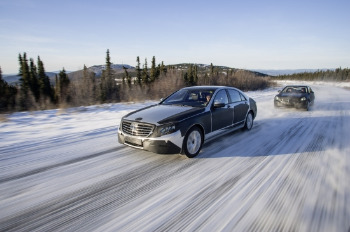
[294, 89]
[190, 97]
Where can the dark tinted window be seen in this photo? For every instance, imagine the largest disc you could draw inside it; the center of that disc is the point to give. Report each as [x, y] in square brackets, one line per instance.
[294, 89]
[189, 97]
[221, 97]
[234, 95]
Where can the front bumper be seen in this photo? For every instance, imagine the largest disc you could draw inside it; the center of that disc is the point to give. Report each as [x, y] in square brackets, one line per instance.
[290, 103]
[167, 144]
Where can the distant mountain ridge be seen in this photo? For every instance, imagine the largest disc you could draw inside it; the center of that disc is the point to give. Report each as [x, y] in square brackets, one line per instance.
[13, 79]
[277, 72]
[97, 69]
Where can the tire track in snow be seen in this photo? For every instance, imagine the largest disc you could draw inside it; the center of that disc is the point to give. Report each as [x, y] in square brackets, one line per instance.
[49, 167]
[287, 174]
[204, 199]
[109, 194]
[63, 140]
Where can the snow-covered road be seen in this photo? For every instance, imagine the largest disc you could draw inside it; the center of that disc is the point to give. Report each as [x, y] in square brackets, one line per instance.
[65, 171]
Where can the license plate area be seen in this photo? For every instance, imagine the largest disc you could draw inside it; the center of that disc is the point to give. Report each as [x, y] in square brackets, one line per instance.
[133, 141]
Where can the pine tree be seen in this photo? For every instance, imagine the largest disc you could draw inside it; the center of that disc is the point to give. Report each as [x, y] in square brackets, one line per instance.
[24, 82]
[158, 71]
[195, 75]
[45, 87]
[7, 94]
[162, 68]
[87, 87]
[33, 80]
[206, 79]
[108, 69]
[185, 77]
[126, 76]
[2, 83]
[63, 82]
[20, 61]
[3, 90]
[57, 89]
[138, 71]
[211, 70]
[108, 86]
[190, 77]
[211, 78]
[153, 71]
[190, 74]
[145, 76]
[24, 73]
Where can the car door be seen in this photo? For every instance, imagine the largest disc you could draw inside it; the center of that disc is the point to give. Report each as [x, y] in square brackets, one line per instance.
[240, 105]
[312, 94]
[221, 116]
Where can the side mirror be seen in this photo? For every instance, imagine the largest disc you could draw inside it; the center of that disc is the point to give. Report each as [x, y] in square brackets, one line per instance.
[219, 105]
[279, 91]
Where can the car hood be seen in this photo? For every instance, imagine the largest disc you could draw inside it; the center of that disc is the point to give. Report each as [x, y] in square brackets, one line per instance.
[161, 114]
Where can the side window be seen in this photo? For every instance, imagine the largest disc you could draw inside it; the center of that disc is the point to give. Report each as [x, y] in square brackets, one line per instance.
[234, 95]
[193, 97]
[243, 97]
[221, 97]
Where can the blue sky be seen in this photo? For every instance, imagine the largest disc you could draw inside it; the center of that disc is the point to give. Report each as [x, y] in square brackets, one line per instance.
[248, 34]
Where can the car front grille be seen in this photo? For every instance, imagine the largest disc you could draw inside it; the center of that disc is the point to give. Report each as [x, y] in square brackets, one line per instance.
[137, 129]
[290, 100]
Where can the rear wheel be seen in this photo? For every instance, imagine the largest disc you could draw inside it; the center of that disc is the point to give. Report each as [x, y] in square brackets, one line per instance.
[249, 121]
[193, 142]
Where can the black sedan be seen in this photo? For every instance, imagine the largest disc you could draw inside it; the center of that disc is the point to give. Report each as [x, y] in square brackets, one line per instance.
[183, 121]
[298, 96]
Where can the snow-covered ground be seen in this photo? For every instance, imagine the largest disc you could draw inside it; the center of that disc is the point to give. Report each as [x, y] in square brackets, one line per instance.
[63, 170]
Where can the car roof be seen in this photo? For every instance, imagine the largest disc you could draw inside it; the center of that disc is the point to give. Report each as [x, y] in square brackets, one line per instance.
[209, 87]
[215, 88]
[296, 86]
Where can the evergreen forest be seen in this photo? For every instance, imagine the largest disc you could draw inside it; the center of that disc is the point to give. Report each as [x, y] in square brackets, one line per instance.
[36, 91]
[339, 74]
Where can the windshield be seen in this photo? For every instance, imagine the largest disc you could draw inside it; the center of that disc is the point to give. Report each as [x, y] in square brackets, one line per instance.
[190, 97]
[294, 89]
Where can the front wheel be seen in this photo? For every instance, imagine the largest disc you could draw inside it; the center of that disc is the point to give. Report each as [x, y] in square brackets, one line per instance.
[249, 121]
[276, 105]
[307, 107]
[193, 142]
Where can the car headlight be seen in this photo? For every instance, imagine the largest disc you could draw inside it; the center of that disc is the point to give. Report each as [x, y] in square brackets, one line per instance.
[303, 99]
[166, 129]
[277, 98]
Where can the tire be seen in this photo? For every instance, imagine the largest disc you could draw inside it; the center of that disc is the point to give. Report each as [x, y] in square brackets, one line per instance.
[193, 142]
[249, 121]
[307, 107]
